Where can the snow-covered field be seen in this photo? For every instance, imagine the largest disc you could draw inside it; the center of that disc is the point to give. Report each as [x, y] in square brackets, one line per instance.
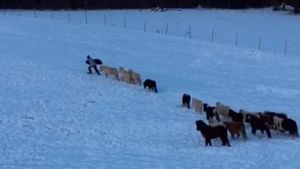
[55, 115]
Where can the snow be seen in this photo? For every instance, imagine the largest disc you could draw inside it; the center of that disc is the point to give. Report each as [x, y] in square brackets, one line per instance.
[55, 115]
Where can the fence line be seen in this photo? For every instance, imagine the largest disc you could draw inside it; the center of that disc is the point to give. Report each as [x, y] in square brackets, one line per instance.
[287, 47]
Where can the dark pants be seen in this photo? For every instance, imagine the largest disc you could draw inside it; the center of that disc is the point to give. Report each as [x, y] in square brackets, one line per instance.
[95, 68]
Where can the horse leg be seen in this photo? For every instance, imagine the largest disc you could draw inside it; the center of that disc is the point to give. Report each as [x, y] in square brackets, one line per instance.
[225, 141]
[207, 142]
[210, 142]
[238, 134]
[268, 132]
[185, 105]
[155, 89]
[232, 134]
[253, 130]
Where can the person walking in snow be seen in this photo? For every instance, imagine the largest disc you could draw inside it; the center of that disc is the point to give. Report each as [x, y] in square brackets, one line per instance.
[92, 64]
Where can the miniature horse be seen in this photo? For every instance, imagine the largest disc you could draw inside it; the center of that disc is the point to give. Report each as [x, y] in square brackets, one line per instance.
[210, 112]
[237, 117]
[258, 124]
[209, 133]
[237, 128]
[291, 126]
[186, 100]
[150, 84]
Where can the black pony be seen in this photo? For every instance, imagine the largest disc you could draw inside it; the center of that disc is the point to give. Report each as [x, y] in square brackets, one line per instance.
[258, 124]
[237, 117]
[209, 132]
[186, 100]
[151, 85]
[290, 125]
[210, 112]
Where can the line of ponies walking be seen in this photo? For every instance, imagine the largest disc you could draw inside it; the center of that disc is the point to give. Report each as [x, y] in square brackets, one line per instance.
[129, 76]
[222, 118]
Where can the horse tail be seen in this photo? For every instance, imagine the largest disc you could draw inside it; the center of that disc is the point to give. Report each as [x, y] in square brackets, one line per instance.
[294, 128]
[227, 142]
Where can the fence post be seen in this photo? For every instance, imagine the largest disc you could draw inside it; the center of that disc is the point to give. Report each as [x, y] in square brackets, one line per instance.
[145, 25]
[259, 43]
[19, 11]
[285, 47]
[85, 12]
[213, 35]
[86, 17]
[167, 27]
[124, 22]
[51, 13]
[236, 39]
[3, 5]
[69, 16]
[190, 31]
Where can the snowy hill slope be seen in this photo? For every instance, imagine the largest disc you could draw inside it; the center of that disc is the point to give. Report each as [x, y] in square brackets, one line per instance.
[55, 115]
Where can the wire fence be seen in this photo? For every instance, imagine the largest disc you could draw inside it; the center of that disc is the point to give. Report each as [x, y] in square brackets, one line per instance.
[149, 23]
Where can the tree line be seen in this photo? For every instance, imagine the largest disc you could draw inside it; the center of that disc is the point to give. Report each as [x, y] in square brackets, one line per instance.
[142, 4]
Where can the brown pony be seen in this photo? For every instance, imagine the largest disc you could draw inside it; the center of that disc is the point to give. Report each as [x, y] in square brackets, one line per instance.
[237, 128]
[209, 133]
[135, 78]
[197, 104]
